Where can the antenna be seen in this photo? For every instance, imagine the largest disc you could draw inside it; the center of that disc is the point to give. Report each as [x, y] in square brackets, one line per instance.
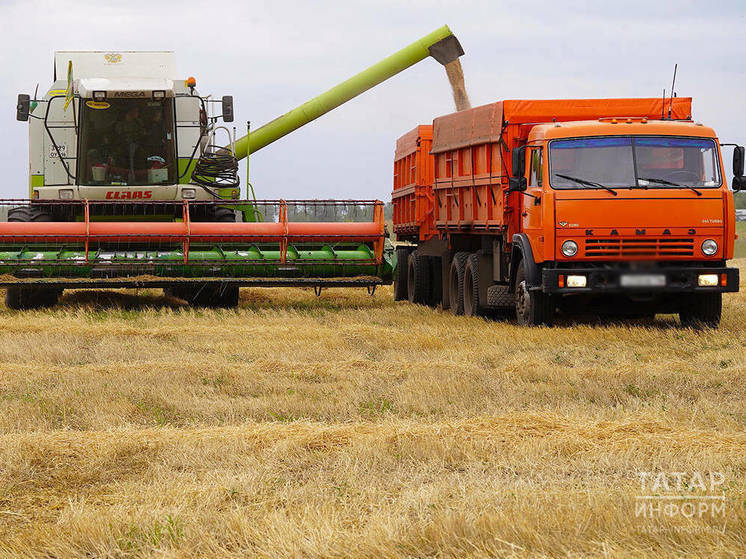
[663, 105]
[673, 83]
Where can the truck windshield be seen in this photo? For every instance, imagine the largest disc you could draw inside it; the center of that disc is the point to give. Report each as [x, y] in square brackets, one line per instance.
[634, 162]
[127, 142]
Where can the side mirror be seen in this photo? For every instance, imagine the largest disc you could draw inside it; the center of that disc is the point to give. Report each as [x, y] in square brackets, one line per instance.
[738, 157]
[519, 162]
[738, 184]
[518, 182]
[23, 108]
[227, 108]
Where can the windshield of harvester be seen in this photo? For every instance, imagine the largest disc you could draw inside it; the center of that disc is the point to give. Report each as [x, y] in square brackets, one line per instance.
[127, 142]
[634, 162]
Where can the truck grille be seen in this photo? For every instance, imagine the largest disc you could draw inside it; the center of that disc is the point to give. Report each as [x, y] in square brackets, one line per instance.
[639, 247]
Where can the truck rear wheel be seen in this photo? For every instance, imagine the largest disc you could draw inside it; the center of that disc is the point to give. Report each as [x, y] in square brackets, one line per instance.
[402, 271]
[456, 282]
[702, 310]
[31, 297]
[472, 304]
[532, 307]
[418, 279]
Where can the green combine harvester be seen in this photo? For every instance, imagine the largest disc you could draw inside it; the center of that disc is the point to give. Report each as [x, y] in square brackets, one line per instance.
[130, 187]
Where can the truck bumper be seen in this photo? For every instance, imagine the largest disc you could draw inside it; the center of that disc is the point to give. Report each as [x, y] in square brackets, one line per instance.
[669, 279]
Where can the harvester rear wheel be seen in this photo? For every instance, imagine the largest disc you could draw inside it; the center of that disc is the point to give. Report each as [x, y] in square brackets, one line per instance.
[418, 279]
[456, 282]
[400, 280]
[30, 297]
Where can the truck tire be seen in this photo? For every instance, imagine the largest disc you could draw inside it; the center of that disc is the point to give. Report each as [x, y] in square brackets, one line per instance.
[418, 279]
[532, 308]
[472, 305]
[456, 282]
[31, 297]
[402, 271]
[702, 310]
[436, 281]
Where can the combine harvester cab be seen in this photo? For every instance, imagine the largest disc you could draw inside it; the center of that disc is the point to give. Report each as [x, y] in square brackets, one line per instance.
[616, 207]
[129, 188]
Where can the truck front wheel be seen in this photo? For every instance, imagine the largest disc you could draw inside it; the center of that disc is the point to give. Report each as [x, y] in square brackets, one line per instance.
[702, 310]
[532, 307]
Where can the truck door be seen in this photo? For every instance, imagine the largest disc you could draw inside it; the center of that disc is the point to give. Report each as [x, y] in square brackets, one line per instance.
[531, 213]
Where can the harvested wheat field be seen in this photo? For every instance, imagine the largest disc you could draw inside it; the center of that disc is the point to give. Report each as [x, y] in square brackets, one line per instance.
[350, 425]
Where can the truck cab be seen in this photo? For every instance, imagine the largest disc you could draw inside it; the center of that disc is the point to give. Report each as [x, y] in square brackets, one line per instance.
[628, 212]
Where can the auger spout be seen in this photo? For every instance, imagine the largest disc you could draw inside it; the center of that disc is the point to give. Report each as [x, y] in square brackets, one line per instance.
[441, 44]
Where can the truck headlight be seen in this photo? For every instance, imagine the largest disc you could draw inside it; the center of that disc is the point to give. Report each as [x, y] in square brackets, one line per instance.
[707, 280]
[188, 193]
[576, 281]
[66, 194]
[569, 248]
[709, 247]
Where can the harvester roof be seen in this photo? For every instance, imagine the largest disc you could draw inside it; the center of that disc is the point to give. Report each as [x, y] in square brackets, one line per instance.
[485, 124]
[115, 64]
[125, 87]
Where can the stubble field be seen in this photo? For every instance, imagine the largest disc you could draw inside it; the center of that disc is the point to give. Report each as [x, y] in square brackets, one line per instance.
[354, 426]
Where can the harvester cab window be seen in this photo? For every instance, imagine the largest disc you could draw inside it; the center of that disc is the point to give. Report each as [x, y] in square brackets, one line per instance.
[127, 142]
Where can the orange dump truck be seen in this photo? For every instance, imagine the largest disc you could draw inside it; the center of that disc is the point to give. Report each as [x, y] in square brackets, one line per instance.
[606, 206]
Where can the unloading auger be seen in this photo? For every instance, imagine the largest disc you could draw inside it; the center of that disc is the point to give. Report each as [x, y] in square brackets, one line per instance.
[129, 188]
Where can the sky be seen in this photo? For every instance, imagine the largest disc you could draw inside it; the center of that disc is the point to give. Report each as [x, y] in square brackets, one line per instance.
[272, 56]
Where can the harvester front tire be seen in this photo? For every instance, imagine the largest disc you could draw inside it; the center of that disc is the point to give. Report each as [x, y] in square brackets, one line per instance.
[532, 307]
[472, 305]
[206, 296]
[27, 298]
[212, 214]
[702, 310]
[31, 297]
[418, 279]
[456, 282]
[400, 280]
